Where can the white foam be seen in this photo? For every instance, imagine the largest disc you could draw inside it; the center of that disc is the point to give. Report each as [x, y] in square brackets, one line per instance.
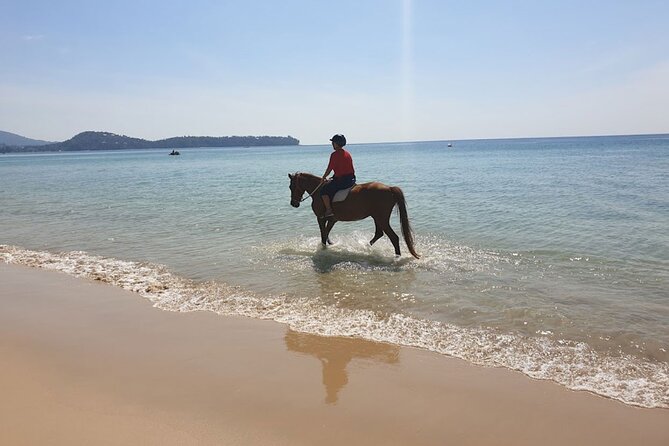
[437, 255]
[575, 365]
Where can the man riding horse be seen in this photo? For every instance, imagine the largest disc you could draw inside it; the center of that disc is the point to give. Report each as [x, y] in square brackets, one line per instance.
[344, 173]
[373, 199]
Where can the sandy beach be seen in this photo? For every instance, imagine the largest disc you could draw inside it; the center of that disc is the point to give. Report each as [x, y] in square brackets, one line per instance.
[88, 363]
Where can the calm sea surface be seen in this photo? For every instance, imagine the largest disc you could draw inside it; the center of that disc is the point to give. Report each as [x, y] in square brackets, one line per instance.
[548, 256]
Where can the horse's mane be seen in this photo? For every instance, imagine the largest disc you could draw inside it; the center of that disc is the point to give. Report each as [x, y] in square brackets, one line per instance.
[308, 175]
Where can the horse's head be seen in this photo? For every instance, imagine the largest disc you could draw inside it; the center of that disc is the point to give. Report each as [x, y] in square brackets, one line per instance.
[296, 190]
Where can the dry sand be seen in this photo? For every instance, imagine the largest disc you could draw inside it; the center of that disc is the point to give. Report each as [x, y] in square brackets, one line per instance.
[87, 363]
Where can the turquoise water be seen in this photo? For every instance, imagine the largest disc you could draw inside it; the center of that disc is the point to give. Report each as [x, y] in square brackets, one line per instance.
[548, 256]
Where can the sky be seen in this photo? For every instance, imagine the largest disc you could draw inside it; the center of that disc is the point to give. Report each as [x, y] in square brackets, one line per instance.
[375, 70]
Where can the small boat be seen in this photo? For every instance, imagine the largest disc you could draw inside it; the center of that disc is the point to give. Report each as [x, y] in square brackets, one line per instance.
[450, 145]
[175, 152]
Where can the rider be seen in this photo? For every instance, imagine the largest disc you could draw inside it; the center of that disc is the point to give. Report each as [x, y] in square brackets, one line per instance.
[344, 173]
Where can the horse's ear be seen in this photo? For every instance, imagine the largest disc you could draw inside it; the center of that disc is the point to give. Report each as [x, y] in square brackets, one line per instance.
[290, 176]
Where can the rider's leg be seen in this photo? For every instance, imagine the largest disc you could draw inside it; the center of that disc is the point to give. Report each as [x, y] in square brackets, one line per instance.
[328, 207]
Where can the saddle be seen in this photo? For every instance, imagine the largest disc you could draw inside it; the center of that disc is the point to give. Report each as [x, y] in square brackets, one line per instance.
[341, 195]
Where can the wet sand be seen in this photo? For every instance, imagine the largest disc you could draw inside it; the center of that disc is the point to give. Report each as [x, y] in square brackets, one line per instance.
[87, 363]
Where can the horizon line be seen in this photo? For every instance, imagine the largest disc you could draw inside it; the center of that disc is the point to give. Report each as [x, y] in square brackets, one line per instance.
[502, 138]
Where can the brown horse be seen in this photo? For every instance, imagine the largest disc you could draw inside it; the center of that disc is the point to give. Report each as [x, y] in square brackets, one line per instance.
[374, 200]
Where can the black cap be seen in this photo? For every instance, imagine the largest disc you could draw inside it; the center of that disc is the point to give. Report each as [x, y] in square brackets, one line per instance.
[339, 139]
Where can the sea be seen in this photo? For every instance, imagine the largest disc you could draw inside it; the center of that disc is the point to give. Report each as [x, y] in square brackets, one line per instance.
[549, 256]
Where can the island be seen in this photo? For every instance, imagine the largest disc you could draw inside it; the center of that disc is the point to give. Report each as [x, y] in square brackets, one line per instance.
[110, 141]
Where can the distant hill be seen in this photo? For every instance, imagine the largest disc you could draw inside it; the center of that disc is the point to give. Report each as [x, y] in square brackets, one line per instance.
[107, 141]
[12, 139]
[97, 141]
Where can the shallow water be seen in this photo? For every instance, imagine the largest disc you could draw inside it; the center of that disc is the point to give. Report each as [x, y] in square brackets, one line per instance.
[549, 256]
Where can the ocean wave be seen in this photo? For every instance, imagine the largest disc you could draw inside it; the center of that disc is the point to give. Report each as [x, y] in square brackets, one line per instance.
[575, 365]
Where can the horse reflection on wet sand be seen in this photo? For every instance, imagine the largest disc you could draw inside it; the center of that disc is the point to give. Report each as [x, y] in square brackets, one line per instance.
[335, 353]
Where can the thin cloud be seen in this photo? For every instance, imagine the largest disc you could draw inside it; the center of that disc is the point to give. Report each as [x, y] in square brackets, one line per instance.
[32, 37]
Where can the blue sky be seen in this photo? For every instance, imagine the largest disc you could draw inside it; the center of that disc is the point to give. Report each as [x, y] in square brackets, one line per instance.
[375, 70]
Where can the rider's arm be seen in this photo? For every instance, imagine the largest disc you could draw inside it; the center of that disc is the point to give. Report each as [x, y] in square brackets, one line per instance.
[329, 169]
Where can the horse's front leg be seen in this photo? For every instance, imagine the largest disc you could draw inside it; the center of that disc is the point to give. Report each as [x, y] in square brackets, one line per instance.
[321, 225]
[328, 227]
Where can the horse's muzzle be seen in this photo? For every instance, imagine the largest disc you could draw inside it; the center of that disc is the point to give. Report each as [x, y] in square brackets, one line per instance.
[295, 203]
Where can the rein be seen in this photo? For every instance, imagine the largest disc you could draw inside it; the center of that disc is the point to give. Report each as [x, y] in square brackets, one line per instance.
[312, 194]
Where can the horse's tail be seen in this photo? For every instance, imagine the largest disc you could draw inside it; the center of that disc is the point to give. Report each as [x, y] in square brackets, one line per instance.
[404, 219]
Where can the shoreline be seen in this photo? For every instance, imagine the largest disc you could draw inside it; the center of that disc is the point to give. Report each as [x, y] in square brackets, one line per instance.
[573, 365]
[91, 363]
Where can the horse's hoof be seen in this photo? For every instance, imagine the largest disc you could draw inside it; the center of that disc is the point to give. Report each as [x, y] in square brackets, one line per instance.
[330, 242]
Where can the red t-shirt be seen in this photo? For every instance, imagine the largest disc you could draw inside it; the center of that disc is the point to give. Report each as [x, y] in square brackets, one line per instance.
[341, 162]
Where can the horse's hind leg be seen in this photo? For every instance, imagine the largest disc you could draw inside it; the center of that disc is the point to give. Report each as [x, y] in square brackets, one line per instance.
[392, 236]
[378, 234]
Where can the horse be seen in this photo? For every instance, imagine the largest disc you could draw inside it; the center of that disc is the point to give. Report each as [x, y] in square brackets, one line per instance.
[374, 199]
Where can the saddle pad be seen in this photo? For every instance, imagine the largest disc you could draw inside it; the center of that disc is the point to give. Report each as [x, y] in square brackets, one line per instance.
[341, 194]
